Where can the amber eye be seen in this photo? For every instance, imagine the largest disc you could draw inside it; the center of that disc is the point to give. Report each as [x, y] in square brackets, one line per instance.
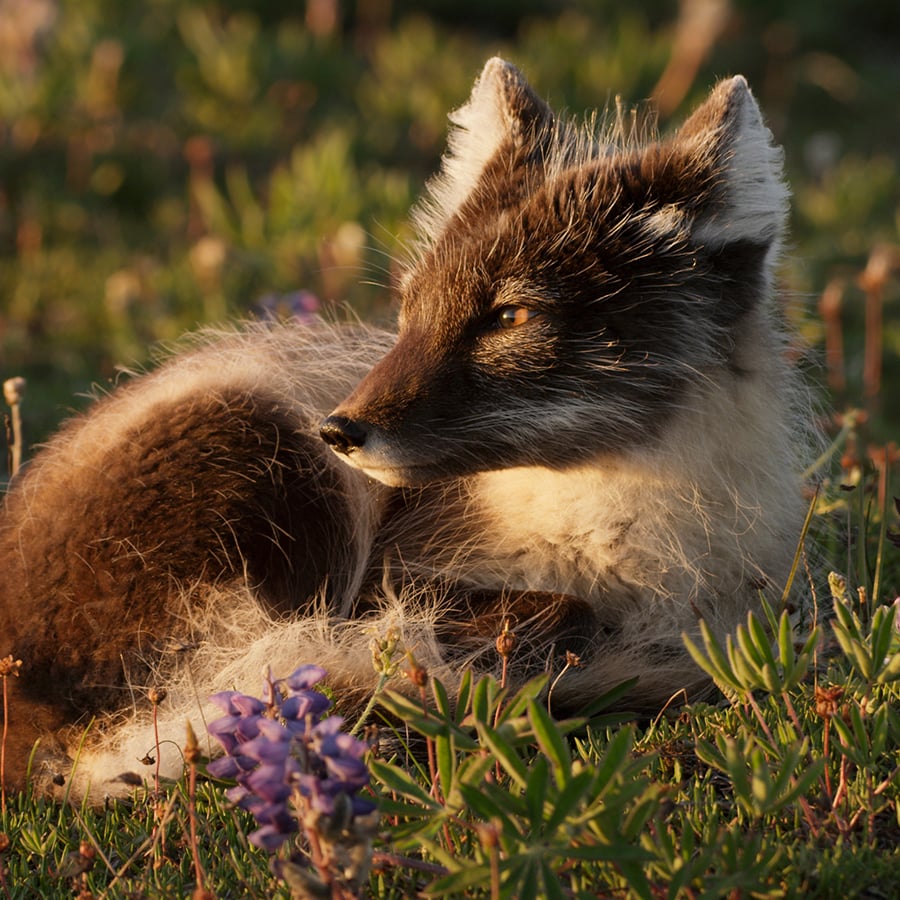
[513, 316]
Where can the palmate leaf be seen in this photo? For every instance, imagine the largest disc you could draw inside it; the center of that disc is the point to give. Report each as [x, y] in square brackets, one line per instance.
[614, 759]
[762, 786]
[713, 661]
[410, 712]
[493, 804]
[748, 661]
[578, 792]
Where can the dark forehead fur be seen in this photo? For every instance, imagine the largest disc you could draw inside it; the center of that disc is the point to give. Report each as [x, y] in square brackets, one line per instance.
[601, 209]
[593, 220]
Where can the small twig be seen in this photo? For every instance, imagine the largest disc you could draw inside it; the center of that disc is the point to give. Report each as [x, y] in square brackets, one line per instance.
[490, 839]
[842, 783]
[191, 755]
[573, 661]
[681, 692]
[156, 696]
[505, 644]
[3, 750]
[792, 712]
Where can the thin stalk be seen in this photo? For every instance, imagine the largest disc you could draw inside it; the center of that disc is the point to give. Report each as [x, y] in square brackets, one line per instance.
[3, 749]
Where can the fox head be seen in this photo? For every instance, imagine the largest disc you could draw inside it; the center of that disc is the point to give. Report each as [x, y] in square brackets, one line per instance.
[568, 286]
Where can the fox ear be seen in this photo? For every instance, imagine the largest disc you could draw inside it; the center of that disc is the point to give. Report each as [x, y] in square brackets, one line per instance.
[502, 115]
[748, 199]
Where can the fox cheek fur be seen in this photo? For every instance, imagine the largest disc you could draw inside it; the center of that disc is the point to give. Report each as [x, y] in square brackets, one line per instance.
[587, 426]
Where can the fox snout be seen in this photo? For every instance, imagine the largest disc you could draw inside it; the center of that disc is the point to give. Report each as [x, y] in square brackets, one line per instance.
[343, 435]
[363, 445]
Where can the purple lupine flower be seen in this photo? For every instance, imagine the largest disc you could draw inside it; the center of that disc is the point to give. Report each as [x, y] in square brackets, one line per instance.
[305, 677]
[280, 752]
[299, 305]
[231, 766]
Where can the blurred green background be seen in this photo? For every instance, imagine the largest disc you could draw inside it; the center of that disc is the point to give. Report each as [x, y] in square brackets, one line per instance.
[167, 163]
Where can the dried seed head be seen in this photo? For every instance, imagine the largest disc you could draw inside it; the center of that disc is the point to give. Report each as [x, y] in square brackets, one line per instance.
[417, 674]
[573, 660]
[10, 666]
[156, 695]
[14, 390]
[828, 701]
[506, 641]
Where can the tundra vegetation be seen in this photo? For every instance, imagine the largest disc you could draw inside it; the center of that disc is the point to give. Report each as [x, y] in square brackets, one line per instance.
[171, 162]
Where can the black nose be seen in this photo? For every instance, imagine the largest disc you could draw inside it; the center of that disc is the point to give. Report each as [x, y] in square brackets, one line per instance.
[343, 434]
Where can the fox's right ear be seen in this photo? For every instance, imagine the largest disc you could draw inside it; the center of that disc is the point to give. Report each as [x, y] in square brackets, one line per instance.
[502, 115]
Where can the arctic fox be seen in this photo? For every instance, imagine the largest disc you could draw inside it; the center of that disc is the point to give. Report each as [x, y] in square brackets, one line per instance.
[586, 428]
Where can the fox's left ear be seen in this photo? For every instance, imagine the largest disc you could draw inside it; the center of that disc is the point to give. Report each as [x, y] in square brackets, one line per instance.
[745, 197]
[502, 116]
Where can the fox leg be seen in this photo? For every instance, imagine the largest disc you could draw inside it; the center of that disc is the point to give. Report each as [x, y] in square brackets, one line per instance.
[114, 524]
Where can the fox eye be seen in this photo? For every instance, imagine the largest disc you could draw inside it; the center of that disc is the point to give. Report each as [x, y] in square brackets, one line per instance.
[513, 316]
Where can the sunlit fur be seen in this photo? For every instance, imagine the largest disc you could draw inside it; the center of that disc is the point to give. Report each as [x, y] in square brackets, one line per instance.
[621, 463]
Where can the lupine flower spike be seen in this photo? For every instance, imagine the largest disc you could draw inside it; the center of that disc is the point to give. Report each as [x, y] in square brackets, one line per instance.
[298, 772]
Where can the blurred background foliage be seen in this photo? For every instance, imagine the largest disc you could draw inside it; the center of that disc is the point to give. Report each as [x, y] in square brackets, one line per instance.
[173, 162]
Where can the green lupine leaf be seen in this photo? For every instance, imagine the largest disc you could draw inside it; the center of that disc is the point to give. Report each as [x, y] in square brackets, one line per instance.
[529, 692]
[505, 754]
[401, 782]
[551, 741]
[578, 790]
[536, 791]
[441, 700]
